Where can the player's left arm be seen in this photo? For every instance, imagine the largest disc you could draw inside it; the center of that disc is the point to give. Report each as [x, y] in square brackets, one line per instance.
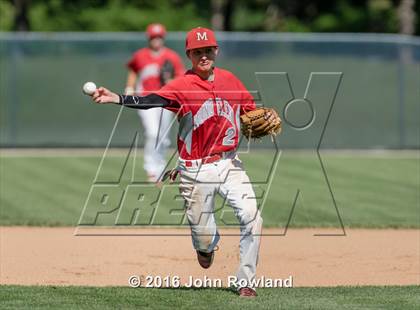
[247, 102]
[257, 122]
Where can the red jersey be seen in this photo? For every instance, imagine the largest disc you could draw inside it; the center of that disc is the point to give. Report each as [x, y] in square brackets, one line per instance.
[147, 65]
[208, 112]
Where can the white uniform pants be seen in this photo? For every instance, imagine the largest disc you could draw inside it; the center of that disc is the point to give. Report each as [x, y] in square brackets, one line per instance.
[156, 123]
[227, 177]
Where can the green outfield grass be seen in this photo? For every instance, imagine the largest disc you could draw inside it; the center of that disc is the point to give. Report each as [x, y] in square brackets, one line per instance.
[370, 191]
[369, 297]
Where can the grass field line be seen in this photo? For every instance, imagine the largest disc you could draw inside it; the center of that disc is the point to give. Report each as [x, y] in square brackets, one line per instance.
[95, 152]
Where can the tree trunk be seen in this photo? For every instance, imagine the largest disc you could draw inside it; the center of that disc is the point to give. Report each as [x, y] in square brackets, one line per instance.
[21, 22]
[217, 18]
[406, 17]
[407, 20]
[222, 11]
[228, 12]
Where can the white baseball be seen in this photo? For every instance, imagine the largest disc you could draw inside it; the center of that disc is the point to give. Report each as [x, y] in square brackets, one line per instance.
[89, 88]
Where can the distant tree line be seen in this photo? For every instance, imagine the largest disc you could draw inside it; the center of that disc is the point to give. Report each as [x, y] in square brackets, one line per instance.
[389, 16]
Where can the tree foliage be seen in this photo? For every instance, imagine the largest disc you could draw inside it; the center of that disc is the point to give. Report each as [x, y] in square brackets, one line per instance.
[245, 15]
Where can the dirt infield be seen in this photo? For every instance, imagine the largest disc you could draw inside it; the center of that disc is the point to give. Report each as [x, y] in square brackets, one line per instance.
[55, 256]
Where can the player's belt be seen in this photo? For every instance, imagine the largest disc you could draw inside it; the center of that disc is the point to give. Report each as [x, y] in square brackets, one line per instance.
[206, 160]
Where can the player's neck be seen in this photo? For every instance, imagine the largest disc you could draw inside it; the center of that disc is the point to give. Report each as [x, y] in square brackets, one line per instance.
[156, 52]
[206, 75]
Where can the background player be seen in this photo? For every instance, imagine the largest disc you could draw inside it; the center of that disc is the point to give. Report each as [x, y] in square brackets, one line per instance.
[148, 70]
[208, 101]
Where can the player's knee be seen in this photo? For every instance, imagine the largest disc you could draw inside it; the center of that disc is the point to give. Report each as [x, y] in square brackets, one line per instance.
[251, 222]
[249, 215]
[151, 135]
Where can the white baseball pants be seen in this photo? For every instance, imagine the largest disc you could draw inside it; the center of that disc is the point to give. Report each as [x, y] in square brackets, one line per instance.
[227, 177]
[156, 123]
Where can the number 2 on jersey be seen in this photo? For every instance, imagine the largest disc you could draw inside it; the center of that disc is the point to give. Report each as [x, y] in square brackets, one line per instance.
[229, 138]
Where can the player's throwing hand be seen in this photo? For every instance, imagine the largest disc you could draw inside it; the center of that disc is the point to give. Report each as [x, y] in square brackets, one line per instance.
[103, 95]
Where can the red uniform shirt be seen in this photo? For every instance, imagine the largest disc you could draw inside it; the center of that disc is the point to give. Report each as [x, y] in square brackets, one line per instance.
[147, 65]
[208, 112]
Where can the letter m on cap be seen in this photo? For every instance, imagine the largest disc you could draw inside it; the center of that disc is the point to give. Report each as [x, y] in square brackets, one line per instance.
[201, 36]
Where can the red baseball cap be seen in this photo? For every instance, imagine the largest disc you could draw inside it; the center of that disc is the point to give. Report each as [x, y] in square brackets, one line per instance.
[156, 30]
[200, 37]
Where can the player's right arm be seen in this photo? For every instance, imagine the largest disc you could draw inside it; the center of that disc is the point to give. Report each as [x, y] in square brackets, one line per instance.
[134, 66]
[103, 95]
[131, 82]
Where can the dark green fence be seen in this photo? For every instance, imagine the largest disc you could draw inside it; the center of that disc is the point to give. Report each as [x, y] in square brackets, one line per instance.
[375, 80]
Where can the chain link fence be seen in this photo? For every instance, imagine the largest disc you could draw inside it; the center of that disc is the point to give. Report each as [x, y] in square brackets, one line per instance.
[376, 104]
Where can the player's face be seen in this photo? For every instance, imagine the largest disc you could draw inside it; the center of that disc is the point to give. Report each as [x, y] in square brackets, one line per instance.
[202, 59]
[156, 43]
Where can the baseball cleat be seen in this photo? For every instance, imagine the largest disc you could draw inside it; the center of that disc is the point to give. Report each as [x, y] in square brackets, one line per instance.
[247, 292]
[205, 259]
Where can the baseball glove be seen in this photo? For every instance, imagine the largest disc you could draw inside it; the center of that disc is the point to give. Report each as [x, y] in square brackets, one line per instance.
[260, 122]
[167, 72]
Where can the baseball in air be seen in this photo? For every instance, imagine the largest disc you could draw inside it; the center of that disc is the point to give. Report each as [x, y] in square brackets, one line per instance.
[89, 88]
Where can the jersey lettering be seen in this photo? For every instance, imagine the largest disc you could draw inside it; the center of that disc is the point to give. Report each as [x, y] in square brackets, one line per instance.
[204, 113]
[223, 108]
[209, 109]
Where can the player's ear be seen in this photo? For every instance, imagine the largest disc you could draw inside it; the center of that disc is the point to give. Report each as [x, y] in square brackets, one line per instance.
[188, 54]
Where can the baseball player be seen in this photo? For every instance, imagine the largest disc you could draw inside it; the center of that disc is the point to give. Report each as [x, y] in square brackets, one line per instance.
[148, 70]
[209, 102]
